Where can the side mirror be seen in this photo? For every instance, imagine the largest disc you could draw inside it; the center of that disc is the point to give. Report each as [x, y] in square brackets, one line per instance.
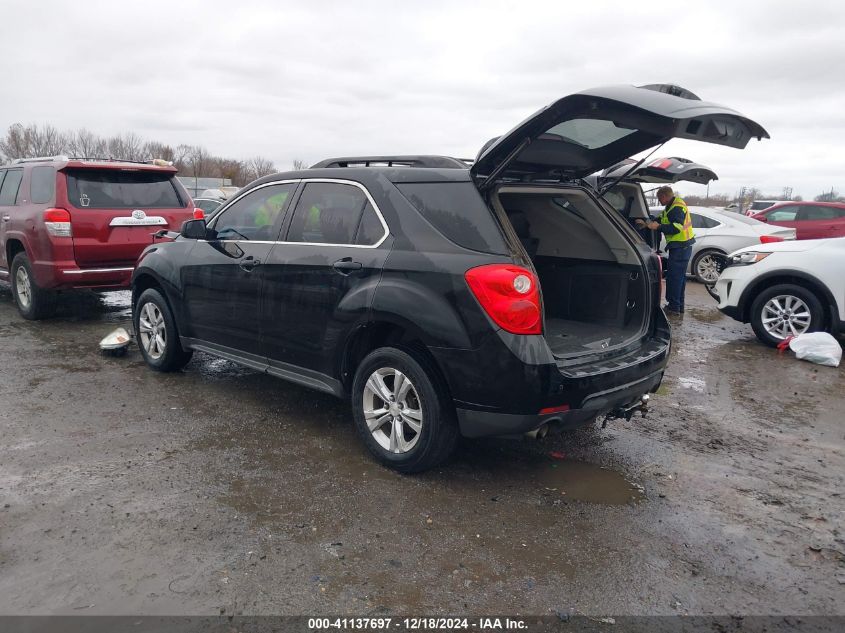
[194, 230]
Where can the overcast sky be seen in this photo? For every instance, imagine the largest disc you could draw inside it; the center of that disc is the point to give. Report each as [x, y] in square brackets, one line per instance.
[311, 80]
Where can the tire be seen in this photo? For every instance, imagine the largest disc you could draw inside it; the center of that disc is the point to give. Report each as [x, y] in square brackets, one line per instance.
[157, 336]
[427, 437]
[705, 260]
[794, 302]
[33, 302]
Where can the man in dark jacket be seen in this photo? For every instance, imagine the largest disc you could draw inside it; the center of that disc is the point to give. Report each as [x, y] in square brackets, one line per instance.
[675, 224]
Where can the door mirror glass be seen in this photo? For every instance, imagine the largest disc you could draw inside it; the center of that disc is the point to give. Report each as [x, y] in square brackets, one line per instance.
[194, 230]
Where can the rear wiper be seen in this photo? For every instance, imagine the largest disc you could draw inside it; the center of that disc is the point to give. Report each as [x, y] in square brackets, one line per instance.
[605, 189]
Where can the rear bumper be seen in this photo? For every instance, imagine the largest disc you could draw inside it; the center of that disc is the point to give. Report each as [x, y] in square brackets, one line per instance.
[475, 423]
[64, 276]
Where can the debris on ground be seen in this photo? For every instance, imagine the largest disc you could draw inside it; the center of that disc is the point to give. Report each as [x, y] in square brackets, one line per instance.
[817, 347]
[116, 343]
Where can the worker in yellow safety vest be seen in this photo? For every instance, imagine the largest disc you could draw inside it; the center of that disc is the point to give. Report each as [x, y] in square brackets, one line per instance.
[675, 223]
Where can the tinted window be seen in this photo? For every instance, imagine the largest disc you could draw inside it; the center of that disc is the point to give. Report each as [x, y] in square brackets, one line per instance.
[458, 212]
[589, 133]
[10, 186]
[701, 222]
[370, 230]
[331, 213]
[255, 216]
[112, 189]
[784, 214]
[43, 184]
[759, 206]
[809, 212]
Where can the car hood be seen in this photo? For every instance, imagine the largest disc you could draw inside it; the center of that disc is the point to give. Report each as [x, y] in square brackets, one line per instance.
[662, 170]
[591, 130]
[795, 246]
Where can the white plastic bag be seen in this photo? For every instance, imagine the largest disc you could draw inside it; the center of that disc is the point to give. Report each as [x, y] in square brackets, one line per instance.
[817, 347]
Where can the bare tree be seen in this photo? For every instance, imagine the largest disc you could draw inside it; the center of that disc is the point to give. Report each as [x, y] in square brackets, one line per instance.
[14, 144]
[258, 166]
[299, 164]
[198, 161]
[829, 196]
[153, 149]
[85, 144]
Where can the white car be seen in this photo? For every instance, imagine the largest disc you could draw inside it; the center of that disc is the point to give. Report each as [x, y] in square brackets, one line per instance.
[786, 288]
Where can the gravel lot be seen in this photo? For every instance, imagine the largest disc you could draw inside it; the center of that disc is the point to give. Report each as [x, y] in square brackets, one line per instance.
[220, 490]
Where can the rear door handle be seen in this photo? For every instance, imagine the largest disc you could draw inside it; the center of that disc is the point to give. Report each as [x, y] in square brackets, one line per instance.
[6, 218]
[248, 263]
[346, 266]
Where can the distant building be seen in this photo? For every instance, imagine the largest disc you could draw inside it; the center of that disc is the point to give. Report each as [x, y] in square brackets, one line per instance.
[196, 186]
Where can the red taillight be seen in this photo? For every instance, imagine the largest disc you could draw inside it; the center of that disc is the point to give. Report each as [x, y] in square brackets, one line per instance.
[198, 214]
[509, 294]
[661, 163]
[57, 222]
[57, 215]
[560, 409]
[768, 239]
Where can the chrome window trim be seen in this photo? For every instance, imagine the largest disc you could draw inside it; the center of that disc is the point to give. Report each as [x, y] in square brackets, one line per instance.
[338, 181]
[95, 271]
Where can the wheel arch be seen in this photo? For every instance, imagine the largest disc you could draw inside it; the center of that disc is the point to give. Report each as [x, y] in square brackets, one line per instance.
[796, 278]
[14, 245]
[384, 333]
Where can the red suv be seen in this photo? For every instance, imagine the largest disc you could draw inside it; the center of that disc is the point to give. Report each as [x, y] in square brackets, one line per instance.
[811, 220]
[81, 223]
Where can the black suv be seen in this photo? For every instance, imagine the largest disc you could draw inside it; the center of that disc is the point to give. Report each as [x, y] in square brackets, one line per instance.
[495, 300]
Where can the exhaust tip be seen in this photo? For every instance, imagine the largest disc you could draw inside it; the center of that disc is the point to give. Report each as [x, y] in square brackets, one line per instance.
[538, 433]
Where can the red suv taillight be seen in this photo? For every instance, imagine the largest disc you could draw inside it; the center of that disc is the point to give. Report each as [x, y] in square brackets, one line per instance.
[57, 222]
[768, 239]
[509, 294]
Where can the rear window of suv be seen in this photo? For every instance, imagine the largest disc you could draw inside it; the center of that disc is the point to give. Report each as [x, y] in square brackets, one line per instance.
[458, 212]
[112, 189]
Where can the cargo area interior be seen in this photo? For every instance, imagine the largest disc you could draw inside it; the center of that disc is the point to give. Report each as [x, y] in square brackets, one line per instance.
[593, 283]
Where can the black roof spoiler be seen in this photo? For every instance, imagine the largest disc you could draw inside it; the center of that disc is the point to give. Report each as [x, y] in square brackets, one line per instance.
[438, 162]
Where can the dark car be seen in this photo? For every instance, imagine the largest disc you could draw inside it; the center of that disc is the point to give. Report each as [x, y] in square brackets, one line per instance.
[80, 223]
[443, 301]
[811, 220]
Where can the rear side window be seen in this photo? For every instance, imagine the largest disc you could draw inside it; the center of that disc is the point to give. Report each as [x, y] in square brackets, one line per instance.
[812, 212]
[10, 186]
[43, 184]
[112, 189]
[458, 212]
[784, 214]
[334, 213]
[701, 222]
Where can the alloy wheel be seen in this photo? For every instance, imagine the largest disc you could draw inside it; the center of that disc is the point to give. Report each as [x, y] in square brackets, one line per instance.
[707, 269]
[153, 330]
[392, 410]
[23, 286]
[786, 315]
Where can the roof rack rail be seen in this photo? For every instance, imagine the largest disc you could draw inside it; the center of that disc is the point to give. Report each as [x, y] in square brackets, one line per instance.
[441, 162]
[154, 161]
[46, 159]
[39, 159]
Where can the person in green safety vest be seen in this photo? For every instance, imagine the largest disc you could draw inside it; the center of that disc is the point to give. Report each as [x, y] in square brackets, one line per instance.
[269, 210]
[675, 223]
